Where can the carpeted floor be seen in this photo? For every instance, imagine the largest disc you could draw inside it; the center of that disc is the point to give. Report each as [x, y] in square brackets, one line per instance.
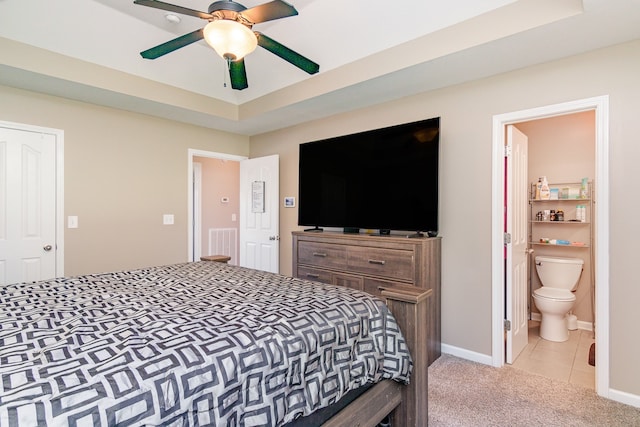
[464, 393]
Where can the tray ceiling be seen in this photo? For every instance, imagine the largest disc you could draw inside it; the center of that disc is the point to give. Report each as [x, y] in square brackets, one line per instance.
[369, 52]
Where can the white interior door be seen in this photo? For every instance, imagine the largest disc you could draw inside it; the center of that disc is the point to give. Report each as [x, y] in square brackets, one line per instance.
[28, 247]
[260, 213]
[517, 252]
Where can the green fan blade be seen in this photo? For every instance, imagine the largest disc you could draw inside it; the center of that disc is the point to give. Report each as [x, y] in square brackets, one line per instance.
[171, 45]
[173, 8]
[275, 9]
[287, 54]
[238, 74]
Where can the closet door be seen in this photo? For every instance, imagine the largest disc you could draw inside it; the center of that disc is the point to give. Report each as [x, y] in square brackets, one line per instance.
[27, 205]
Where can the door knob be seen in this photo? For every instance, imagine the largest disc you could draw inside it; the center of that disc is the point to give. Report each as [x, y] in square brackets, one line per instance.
[47, 248]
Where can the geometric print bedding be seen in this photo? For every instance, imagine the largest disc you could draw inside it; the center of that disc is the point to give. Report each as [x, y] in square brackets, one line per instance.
[193, 344]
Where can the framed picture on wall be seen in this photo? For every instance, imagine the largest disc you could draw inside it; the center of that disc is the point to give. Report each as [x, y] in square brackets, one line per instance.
[289, 202]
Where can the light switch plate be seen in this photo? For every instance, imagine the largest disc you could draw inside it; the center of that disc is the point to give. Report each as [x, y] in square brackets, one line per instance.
[167, 219]
[72, 221]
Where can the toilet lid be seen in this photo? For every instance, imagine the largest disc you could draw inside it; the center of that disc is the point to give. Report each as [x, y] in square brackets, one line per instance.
[554, 293]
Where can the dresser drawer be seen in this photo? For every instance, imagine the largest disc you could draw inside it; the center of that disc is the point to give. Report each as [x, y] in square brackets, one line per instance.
[348, 281]
[375, 286]
[314, 274]
[392, 263]
[322, 255]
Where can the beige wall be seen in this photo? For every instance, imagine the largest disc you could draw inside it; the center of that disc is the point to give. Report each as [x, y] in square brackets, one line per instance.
[563, 149]
[123, 171]
[466, 164]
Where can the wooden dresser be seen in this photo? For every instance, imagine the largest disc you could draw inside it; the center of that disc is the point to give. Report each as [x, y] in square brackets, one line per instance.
[371, 263]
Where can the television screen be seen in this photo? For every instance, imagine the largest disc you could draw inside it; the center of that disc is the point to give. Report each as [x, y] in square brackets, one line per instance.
[383, 179]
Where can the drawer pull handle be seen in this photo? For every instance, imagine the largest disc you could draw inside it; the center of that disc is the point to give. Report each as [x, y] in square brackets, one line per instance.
[313, 276]
[376, 261]
[320, 254]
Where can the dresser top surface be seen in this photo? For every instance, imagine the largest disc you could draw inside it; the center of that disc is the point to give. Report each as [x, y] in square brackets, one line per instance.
[321, 235]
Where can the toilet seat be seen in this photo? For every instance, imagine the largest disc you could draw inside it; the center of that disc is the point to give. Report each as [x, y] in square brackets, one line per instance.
[555, 294]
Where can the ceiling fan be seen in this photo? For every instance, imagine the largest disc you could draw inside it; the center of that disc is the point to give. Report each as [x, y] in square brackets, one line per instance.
[230, 33]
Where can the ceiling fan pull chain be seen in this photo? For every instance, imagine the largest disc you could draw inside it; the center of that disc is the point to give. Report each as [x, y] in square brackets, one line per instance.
[226, 72]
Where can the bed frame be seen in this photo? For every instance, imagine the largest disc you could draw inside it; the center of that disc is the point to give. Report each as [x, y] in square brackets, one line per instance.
[406, 404]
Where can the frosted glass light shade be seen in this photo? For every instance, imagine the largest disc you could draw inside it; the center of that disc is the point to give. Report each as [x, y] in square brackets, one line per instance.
[230, 39]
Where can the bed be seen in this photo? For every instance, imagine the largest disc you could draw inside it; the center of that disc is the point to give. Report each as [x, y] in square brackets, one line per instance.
[207, 343]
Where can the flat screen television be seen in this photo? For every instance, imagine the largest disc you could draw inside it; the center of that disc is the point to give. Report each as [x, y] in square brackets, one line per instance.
[384, 179]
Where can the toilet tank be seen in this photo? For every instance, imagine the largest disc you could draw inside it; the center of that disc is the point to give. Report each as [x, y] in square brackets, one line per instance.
[556, 272]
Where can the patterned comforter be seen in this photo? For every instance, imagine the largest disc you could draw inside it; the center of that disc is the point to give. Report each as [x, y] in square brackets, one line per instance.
[191, 344]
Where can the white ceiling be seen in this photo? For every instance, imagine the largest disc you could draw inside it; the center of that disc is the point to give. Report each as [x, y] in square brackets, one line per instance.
[369, 52]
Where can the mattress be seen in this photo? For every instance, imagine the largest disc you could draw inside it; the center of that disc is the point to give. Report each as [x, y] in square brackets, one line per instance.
[188, 344]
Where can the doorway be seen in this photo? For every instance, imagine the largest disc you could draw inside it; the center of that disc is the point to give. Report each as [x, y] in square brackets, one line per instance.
[216, 208]
[194, 198]
[600, 106]
[562, 149]
[258, 214]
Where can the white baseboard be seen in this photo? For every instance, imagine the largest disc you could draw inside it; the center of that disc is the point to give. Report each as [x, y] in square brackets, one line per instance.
[585, 326]
[624, 397]
[582, 325]
[462, 353]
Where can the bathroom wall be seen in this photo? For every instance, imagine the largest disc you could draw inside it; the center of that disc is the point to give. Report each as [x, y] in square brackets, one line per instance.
[563, 149]
[220, 180]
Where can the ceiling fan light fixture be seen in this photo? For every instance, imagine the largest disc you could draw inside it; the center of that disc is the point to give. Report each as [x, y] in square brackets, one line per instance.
[230, 39]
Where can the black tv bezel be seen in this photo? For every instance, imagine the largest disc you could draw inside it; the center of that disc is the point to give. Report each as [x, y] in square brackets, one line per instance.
[397, 134]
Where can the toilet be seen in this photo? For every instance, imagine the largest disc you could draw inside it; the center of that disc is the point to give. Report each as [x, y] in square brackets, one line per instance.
[559, 277]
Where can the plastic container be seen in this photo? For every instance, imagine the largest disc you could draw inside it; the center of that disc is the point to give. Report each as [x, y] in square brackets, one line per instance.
[583, 188]
[545, 192]
[581, 213]
[564, 193]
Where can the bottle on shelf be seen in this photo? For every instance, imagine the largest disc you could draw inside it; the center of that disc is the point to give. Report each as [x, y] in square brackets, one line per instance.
[583, 188]
[538, 187]
[545, 192]
[581, 213]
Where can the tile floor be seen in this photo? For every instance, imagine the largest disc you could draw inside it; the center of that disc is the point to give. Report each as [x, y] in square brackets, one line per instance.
[567, 361]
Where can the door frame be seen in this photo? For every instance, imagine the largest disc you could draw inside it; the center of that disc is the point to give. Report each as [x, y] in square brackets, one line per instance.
[191, 153]
[197, 209]
[59, 154]
[600, 105]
